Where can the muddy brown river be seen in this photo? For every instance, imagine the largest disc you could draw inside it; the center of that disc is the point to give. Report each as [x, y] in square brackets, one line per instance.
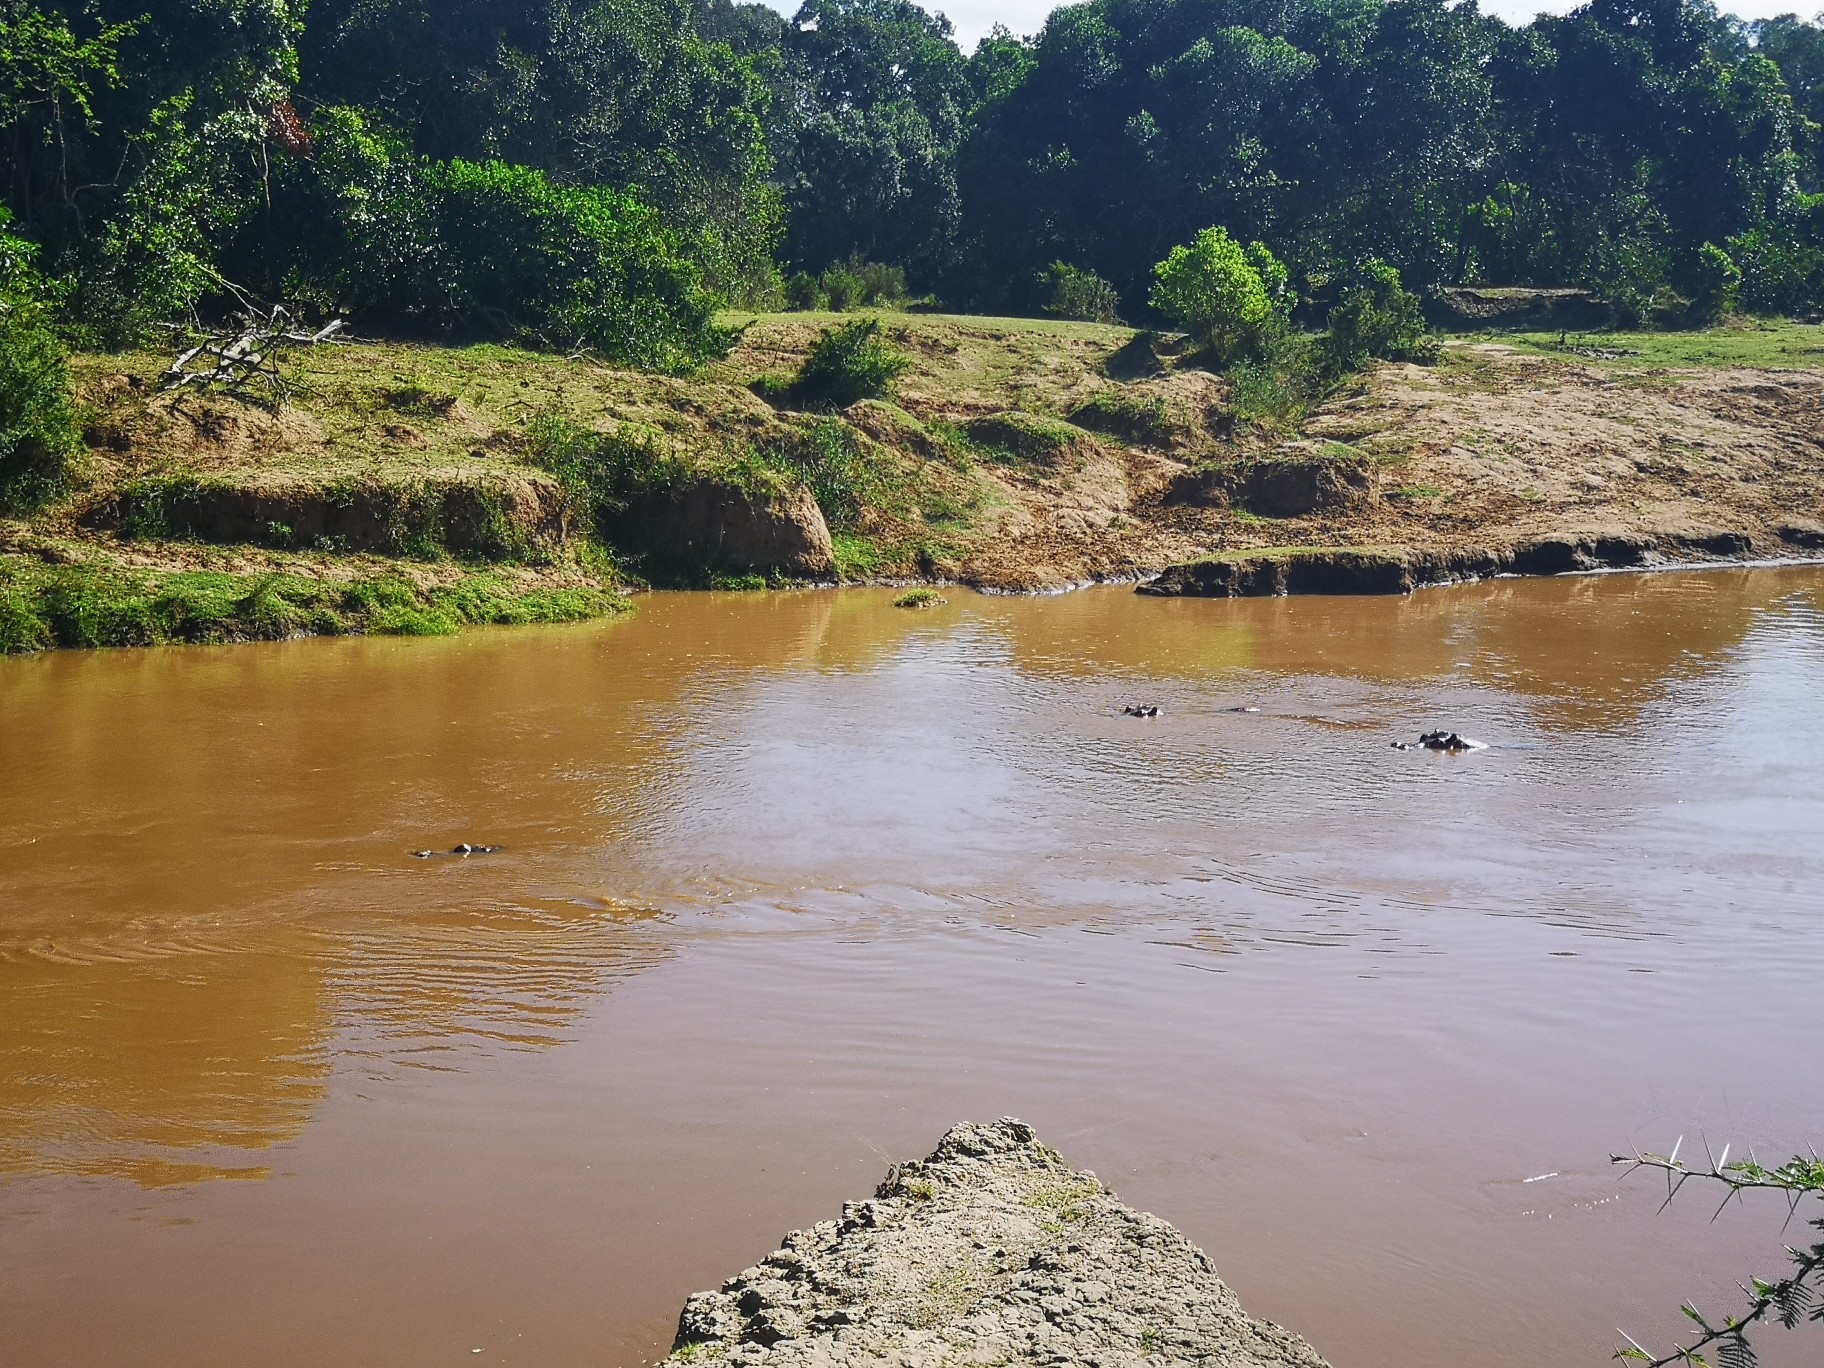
[790, 882]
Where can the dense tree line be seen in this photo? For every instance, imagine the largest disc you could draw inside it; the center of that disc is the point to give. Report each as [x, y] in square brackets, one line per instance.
[604, 172]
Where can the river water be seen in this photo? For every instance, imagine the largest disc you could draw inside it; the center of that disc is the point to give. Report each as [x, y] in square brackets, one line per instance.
[791, 882]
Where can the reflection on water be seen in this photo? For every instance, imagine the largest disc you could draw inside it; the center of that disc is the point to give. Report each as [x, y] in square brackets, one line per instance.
[514, 978]
[167, 1068]
[802, 875]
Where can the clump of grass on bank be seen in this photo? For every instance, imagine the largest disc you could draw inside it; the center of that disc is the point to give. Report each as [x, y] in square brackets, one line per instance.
[1132, 417]
[42, 606]
[848, 363]
[1022, 438]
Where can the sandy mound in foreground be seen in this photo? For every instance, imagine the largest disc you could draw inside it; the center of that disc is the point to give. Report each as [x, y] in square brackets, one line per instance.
[991, 1251]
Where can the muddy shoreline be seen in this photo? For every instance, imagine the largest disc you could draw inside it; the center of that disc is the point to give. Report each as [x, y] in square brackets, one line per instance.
[1348, 571]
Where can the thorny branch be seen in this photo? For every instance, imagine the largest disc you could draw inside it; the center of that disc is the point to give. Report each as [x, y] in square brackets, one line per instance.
[1789, 1300]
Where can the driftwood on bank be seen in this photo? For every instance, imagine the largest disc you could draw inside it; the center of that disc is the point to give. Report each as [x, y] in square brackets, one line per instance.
[245, 352]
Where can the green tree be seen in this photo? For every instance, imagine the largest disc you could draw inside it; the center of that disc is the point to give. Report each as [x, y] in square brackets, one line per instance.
[623, 93]
[38, 425]
[878, 94]
[1230, 298]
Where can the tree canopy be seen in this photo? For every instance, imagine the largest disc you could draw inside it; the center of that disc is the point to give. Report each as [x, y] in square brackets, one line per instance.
[1658, 151]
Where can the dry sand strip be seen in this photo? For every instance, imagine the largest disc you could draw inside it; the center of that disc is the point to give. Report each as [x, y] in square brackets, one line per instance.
[991, 1251]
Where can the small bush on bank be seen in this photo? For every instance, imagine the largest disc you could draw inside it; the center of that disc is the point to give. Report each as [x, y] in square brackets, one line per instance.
[802, 293]
[39, 429]
[1376, 317]
[1274, 391]
[604, 472]
[836, 463]
[1073, 292]
[849, 362]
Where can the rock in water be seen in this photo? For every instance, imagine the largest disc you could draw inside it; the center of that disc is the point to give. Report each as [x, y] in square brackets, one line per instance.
[993, 1250]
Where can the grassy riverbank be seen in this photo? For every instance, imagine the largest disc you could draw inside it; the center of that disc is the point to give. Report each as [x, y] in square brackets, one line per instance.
[401, 487]
[97, 604]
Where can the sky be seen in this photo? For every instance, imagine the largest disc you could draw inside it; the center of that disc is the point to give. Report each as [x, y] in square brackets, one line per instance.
[973, 18]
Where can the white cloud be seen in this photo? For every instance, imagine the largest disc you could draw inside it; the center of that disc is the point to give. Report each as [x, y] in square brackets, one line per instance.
[973, 18]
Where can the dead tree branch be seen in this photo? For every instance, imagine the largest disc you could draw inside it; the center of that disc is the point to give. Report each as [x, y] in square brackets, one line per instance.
[245, 353]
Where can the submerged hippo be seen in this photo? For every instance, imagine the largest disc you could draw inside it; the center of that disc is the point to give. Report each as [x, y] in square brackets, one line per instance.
[464, 849]
[1140, 710]
[1442, 741]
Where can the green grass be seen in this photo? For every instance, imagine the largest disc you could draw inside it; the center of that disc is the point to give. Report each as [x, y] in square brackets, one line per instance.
[919, 598]
[1758, 344]
[1019, 439]
[417, 517]
[1135, 417]
[43, 606]
[857, 557]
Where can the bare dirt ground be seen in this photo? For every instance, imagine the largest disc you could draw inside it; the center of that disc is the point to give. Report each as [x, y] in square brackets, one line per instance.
[1493, 447]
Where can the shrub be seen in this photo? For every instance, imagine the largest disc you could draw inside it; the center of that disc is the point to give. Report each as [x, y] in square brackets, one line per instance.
[1274, 391]
[849, 362]
[1080, 294]
[836, 463]
[603, 472]
[1712, 280]
[880, 286]
[802, 292]
[1375, 316]
[1780, 275]
[854, 284]
[1230, 298]
[39, 431]
[841, 290]
[491, 249]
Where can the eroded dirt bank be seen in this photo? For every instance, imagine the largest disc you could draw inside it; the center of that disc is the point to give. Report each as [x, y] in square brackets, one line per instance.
[1016, 454]
[990, 1251]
